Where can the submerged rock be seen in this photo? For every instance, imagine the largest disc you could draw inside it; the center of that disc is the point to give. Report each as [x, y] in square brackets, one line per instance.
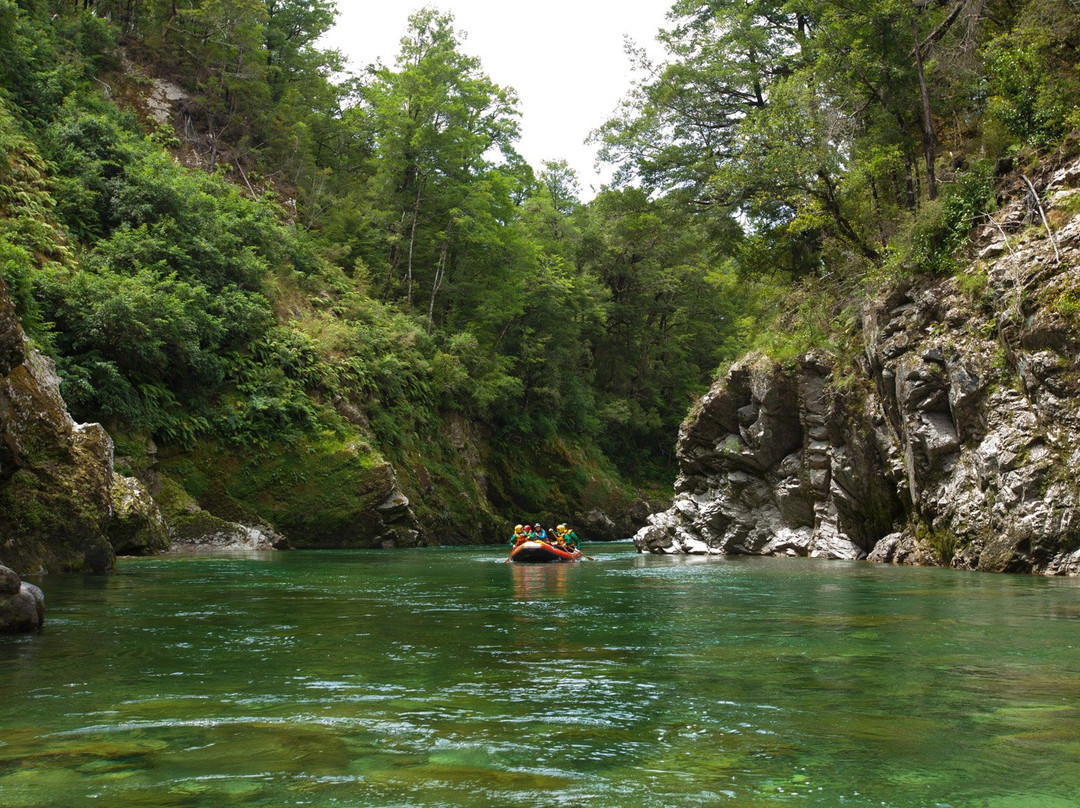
[22, 605]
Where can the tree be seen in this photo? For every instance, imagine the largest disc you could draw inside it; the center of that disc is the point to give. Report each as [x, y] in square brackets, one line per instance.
[679, 124]
[438, 122]
[668, 319]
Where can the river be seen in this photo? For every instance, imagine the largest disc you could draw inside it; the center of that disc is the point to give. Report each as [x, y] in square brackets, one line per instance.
[446, 678]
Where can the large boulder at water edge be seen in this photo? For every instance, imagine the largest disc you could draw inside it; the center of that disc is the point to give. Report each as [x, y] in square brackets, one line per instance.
[55, 475]
[22, 605]
[770, 464]
[137, 526]
[950, 440]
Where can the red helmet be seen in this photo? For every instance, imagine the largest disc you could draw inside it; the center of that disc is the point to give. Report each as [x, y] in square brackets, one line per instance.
[527, 527]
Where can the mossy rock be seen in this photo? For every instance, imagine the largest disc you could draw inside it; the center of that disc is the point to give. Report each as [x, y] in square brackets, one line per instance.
[319, 494]
[55, 475]
[189, 525]
[137, 526]
[48, 530]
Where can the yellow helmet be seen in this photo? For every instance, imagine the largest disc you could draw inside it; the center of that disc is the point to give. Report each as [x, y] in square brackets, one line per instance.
[562, 526]
[517, 528]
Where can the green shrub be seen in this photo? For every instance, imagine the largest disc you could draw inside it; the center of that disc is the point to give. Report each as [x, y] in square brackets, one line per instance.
[943, 225]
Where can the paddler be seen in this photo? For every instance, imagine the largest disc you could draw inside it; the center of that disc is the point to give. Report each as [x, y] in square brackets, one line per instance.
[568, 536]
[520, 535]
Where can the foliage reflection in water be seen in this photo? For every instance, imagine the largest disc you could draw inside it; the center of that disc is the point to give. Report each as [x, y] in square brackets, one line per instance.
[443, 677]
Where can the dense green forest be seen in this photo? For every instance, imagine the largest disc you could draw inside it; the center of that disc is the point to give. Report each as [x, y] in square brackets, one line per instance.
[297, 261]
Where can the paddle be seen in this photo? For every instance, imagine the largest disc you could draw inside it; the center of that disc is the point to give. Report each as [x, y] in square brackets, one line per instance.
[589, 557]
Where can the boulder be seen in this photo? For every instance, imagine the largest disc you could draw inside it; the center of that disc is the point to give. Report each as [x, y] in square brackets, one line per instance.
[55, 474]
[9, 582]
[137, 526]
[22, 605]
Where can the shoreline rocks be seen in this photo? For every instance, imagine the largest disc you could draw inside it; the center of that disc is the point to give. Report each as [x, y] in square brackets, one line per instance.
[55, 474]
[22, 605]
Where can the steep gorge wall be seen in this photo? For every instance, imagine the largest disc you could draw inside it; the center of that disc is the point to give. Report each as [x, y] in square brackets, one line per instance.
[951, 439]
[63, 508]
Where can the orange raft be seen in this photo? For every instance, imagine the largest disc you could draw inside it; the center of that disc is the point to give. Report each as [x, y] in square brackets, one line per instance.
[540, 552]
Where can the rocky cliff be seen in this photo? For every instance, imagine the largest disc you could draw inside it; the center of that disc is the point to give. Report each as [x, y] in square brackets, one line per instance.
[948, 438]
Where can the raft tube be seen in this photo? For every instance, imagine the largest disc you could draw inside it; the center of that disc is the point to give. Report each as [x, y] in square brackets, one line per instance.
[540, 552]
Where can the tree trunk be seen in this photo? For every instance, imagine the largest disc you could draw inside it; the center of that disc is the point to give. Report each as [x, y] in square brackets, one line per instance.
[440, 273]
[846, 229]
[412, 243]
[909, 181]
[877, 213]
[928, 123]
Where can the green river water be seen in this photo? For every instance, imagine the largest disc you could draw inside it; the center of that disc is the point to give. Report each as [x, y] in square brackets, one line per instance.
[446, 678]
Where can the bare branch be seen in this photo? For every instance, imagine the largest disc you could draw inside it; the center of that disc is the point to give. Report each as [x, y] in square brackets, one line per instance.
[921, 49]
[1042, 214]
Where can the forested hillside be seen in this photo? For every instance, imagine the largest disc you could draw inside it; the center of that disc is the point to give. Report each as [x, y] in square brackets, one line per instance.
[292, 295]
[848, 145]
[295, 296]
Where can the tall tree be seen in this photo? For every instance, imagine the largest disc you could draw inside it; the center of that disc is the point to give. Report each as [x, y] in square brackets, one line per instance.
[681, 121]
[439, 124]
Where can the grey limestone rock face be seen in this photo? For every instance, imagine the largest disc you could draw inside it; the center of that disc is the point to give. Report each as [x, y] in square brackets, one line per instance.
[772, 463]
[951, 440]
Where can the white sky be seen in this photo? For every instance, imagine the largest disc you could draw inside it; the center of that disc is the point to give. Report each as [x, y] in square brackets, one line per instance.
[565, 59]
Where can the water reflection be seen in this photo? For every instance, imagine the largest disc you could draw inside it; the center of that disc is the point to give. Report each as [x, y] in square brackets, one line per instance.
[540, 581]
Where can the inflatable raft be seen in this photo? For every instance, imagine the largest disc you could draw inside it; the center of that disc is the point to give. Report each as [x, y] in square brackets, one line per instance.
[540, 552]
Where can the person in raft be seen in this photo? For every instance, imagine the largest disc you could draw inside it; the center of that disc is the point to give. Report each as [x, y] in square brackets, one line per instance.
[538, 533]
[521, 535]
[567, 537]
